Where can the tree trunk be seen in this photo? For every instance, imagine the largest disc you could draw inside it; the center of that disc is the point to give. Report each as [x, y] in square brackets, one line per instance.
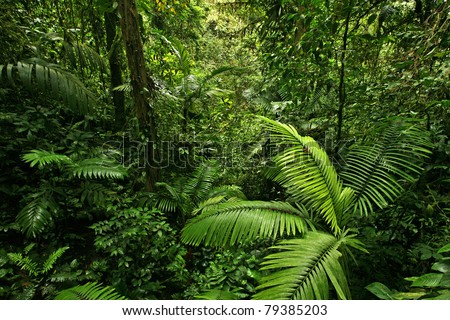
[111, 21]
[142, 84]
[341, 90]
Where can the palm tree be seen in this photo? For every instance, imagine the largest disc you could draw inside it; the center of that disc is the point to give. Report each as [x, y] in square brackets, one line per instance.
[314, 225]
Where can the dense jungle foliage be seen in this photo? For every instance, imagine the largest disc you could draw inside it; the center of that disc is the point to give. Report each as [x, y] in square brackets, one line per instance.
[201, 149]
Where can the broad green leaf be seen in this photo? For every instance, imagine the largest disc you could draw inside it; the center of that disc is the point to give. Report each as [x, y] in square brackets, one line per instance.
[381, 291]
[428, 280]
[445, 248]
[442, 266]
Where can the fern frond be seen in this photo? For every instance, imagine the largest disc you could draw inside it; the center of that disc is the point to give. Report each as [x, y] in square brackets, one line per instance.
[29, 247]
[51, 260]
[43, 158]
[372, 168]
[25, 263]
[304, 268]
[36, 216]
[307, 173]
[87, 168]
[234, 222]
[52, 80]
[89, 291]
[98, 168]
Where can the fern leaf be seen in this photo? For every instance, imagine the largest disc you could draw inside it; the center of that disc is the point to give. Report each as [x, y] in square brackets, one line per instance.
[89, 291]
[234, 222]
[29, 247]
[51, 260]
[373, 167]
[25, 263]
[307, 173]
[98, 168]
[43, 158]
[304, 269]
[172, 192]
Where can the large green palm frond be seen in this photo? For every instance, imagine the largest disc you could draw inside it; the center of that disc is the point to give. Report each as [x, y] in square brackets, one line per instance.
[304, 268]
[81, 56]
[307, 173]
[234, 222]
[52, 80]
[89, 291]
[375, 168]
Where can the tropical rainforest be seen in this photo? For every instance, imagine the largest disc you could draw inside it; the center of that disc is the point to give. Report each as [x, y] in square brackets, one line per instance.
[201, 149]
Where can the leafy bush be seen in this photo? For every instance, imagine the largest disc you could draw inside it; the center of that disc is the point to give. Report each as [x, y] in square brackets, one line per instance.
[32, 273]
[428, 286]
[141, 252]
[226, 274]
